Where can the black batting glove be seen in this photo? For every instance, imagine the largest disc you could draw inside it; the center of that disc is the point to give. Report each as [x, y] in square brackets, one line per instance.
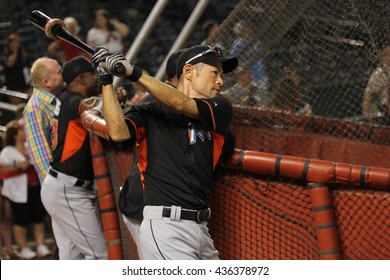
[105, 78]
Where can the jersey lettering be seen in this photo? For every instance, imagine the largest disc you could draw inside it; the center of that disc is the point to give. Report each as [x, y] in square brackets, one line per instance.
[58, 107]
[193, 134]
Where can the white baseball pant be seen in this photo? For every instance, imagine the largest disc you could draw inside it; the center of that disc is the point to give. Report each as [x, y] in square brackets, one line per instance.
[174, 238]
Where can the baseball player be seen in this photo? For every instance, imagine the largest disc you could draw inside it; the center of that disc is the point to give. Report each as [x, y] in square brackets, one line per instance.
[130, 200]
[67, 192]
[179, 140]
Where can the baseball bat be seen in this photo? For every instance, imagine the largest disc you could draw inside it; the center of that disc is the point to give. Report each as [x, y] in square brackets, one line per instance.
[55, 28]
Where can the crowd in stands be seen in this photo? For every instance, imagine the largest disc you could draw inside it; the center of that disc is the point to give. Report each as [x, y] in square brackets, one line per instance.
[126, 18]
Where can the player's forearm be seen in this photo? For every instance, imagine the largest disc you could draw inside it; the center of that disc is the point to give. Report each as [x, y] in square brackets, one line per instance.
[11, 60]
[114, 116]
[122, 28]
[169, 96]
[8, 168]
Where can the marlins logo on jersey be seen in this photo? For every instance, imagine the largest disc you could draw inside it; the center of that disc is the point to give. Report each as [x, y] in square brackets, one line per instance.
[193, 134]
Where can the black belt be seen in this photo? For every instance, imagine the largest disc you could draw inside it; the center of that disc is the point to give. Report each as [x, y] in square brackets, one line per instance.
[198, 216]
[79, 183]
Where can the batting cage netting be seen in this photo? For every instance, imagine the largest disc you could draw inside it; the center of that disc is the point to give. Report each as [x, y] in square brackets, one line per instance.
[304, 67]
[301, 95]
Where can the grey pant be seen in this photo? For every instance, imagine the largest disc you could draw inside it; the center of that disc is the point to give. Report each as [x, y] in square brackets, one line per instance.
[133, 226]
[172, 238]
[76, 226]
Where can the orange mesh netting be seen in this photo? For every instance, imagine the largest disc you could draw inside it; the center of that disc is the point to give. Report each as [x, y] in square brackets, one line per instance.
[257, 217]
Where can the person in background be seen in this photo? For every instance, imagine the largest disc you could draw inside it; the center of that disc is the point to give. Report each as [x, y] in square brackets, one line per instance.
[68, 192]
[209, 27]
[376, 97]
[246, 91]
[23, 191]
[170, 68]
[124, 92]
[244, 48]
[107, 32]
[46, 75]
[6, 215]
[6, 228]
[47, 81]
[288, 94]
[16, 71]
[62, 50]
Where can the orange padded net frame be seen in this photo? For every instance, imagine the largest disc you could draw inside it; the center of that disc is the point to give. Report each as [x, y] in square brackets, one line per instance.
[263, 217]
[272, 206]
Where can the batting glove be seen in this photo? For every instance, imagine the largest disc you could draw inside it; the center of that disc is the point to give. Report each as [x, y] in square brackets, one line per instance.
[118, 65]
[105, 78]
[99, 55]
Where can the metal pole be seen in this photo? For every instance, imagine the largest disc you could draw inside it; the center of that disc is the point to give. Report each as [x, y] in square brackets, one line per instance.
[144, 32]
[183, 36]
[9, 92]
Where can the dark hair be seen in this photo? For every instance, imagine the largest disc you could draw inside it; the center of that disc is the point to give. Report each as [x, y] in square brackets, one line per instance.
[208, 25]
[11, 37]
[106, 14]
[287, 94]
[10, 133]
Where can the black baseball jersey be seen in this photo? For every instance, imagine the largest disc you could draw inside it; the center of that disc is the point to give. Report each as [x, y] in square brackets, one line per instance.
[177, 154]
[71, 148]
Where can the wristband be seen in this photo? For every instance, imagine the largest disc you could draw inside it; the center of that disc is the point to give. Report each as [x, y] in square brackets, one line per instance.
[106, 79]
[137, 72]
